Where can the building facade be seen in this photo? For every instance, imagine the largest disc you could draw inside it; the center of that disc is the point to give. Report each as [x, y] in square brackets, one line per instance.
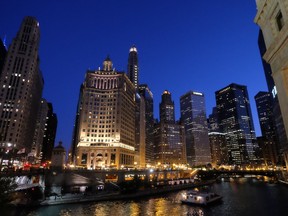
[266, 119]
[140, 132]
[36, 152]
[133, 70]
[213, 123]
[49, 134]
[235, 120]
[105, 133]
[218, 145]
[58, 157]
[169, 136]
[147, 95]
[193, 117]
[272, 17]
[21, 89]
[282, 141]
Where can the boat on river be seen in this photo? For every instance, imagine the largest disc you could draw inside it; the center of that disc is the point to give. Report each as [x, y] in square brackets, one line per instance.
[200, 197]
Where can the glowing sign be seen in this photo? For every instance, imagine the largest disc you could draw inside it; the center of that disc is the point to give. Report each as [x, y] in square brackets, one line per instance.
[274, 91]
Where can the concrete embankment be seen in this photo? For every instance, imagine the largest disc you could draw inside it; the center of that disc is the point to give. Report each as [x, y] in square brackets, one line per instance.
[108, 196]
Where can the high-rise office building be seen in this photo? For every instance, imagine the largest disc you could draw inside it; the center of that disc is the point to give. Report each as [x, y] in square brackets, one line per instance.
[218, 145]
[72, 151]
[147, 95]
[3, 53]
[21, 89]
[133, 70]
[235, 120]
[268, 129]
[105, 135]
[281, 141]
[169, 136]
[140, 132]
[49, 134]
[167, 112]
[36, 155]
[193, 117]
[272, 19]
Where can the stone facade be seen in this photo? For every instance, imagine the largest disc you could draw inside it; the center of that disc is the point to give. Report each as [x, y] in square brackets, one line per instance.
[272, 17]
[105, 136]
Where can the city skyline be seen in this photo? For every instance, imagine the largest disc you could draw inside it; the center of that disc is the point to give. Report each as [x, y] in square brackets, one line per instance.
[173, 43]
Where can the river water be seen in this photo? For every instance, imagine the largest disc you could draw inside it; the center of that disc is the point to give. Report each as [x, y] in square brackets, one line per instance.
[241, 197]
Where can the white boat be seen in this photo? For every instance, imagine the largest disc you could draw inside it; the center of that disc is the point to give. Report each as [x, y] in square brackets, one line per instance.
[200, 197]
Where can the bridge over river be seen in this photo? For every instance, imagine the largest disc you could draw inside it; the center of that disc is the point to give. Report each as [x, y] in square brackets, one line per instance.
[93, 178]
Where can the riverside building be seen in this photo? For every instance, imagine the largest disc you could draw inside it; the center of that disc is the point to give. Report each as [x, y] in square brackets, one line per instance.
[193, 117]
[235, 120]
[105, 122]
[169, 136]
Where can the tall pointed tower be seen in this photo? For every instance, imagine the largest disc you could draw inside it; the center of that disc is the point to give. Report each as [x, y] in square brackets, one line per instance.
[133, 71]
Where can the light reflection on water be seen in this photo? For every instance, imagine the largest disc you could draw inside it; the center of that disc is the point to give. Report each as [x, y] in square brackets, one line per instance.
[240, 197]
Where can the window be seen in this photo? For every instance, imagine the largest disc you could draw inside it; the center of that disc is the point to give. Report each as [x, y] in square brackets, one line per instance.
[279, 21]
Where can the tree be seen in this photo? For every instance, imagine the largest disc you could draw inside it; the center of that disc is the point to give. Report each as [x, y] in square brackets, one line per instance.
[7, 185]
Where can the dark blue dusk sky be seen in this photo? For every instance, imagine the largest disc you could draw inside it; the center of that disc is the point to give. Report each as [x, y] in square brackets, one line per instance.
[182, 45]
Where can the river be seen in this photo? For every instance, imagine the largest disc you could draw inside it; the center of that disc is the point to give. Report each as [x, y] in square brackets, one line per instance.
[241, 197]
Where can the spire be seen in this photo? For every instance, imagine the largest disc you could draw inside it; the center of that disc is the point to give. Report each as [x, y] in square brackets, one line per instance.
[132, 70]
[133, 49]
[107, 64]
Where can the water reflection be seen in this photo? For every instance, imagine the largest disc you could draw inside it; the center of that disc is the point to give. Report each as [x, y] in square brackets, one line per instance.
[240, 197]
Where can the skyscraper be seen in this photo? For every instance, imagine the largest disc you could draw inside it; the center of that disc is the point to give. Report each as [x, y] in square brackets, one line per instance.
[235, 120]
[193, 116]
[167, 112]
[146, 93]
[140, 132]
[268, 129]
[21, 83]
[169, 136]
[36, 152]
[281, 141]
[49, 134]
[105, 135]
[133, 70]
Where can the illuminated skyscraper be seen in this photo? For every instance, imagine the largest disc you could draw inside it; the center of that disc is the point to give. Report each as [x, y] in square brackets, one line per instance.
[105, 135]
[147, 95]
[218, 144]
[235, 120]
[21, 88]
[167, 112]
[140, 132]
[133, 70]
[281, 141]
[193, 116]
[169, 136]
[266, 119]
